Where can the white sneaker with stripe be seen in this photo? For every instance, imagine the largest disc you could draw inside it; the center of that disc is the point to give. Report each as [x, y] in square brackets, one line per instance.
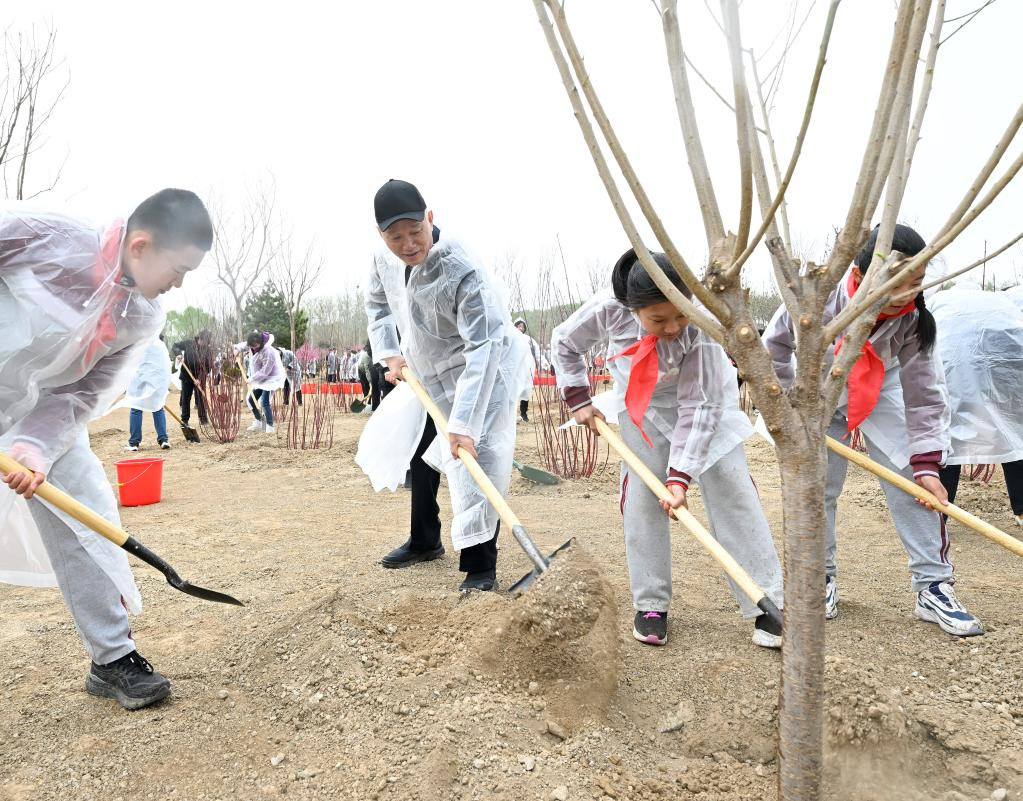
[938, 604]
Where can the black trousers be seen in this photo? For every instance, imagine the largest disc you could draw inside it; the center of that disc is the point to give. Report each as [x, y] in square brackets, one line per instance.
[187, 389]
[425, 529]
[364, 380]
[287, 393]
[1013, 483]
[524, 409]
[380, 387]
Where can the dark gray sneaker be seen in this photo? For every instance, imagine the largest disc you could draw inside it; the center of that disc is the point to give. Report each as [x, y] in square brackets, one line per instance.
[130, 680]
[651, 627]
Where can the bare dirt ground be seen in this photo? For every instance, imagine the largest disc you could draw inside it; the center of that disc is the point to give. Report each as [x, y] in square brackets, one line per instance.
[340, 679]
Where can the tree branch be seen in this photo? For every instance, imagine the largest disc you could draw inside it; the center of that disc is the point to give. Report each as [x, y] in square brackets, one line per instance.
[798, 147]
[699, 317]
[982, 260]
[925, 88]
[712, 224]
[853, 231]
[730, 11]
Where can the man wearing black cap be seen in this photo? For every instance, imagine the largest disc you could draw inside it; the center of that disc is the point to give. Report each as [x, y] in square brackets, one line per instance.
[460, 343]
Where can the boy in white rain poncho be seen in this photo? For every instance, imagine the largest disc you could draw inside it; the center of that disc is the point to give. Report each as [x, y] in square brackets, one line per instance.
[79, 306]
[980, 339]
[147, 392]
[458, 339]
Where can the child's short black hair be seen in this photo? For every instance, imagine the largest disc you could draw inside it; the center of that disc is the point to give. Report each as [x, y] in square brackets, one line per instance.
[634, 288]
[175, 218]
[253, 339]
[904, 240]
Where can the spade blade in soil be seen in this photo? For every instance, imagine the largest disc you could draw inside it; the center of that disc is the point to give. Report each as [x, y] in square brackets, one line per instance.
[190, 434]
[133, 546]
[358, 405]
[535, 474]
[524, 583]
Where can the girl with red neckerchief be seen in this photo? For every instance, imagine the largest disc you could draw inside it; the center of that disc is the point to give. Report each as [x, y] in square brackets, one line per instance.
[677, 404]
[895, 396]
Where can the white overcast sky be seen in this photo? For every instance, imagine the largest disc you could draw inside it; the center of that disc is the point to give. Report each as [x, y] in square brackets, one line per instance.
[462, 98]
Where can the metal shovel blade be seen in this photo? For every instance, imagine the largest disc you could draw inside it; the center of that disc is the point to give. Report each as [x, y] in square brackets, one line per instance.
[358, 405]
[535, 474]
[524, 583]
[189, 433]
[133, 546]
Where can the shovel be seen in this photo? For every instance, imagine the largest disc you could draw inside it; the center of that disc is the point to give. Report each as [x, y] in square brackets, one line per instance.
[972, 521]
[540, 562]
[734, 570]
[358, 405]
[535, 474]
[83, 514]
[187, 432]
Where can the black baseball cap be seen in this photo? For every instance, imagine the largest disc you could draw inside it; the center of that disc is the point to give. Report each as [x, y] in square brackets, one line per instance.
[398, 200]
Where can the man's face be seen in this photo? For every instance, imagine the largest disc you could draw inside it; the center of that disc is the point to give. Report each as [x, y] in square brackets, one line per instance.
[156, 270]
[410, 240]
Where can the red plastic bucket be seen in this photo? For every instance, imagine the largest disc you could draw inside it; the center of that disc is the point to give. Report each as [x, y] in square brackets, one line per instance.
[140, 481]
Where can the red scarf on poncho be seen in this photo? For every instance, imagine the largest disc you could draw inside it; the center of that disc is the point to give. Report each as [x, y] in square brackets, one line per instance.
[642, 379]
[106, 263]
[867, 374]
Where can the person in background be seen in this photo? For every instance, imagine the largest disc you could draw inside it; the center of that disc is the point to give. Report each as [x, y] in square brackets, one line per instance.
[292, 376]
[148, 391]
[197, 361]
[333, 363]
[980, 339]
[365, 364]
[534, 352]
[266, 373]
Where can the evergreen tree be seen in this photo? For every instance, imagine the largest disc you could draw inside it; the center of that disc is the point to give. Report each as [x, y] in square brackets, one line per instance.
[266, 311]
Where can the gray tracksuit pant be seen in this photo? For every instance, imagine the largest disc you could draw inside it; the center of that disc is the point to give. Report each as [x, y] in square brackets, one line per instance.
[90, 595]
[922, 531]
[736, 518]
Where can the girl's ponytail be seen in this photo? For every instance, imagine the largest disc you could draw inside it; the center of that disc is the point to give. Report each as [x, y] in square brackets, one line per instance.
[620, 276]
[926, 327]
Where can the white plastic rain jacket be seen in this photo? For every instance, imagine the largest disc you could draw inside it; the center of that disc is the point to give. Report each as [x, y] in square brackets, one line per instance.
[74, 331]
[980, 339]
[458, 339]
[695, 404]
[150, 384]
[264, 368]
[911, 417]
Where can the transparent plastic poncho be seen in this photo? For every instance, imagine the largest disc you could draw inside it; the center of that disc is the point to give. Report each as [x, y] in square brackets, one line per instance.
[980, 339]
[74, 332]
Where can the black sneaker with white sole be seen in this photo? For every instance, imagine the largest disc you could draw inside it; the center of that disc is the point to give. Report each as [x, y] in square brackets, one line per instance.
[130, 680]
[651, 627]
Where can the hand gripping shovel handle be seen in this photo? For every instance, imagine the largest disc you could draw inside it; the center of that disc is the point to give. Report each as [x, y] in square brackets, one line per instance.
[482, 481]
[914, 489]
[692, 525]
[83, 514]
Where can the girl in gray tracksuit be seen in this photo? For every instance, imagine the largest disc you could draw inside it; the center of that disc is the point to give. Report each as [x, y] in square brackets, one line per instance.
[905, 426]
[685, 425]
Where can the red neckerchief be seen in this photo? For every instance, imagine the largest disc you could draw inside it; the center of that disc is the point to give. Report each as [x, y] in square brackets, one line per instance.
[642, 379]
[867, 375]
[105, 265]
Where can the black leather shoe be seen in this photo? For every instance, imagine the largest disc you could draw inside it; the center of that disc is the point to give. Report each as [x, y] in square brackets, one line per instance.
[484, 581]
[403, 556]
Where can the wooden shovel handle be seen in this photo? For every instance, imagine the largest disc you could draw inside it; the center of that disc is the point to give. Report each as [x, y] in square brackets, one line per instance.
[79, 511]
[685, 517]
[914, 489]
[482, 480]
[174, 414]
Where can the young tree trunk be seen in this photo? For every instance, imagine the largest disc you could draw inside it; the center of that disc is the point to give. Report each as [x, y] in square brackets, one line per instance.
[291, 332]
[803, 466]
